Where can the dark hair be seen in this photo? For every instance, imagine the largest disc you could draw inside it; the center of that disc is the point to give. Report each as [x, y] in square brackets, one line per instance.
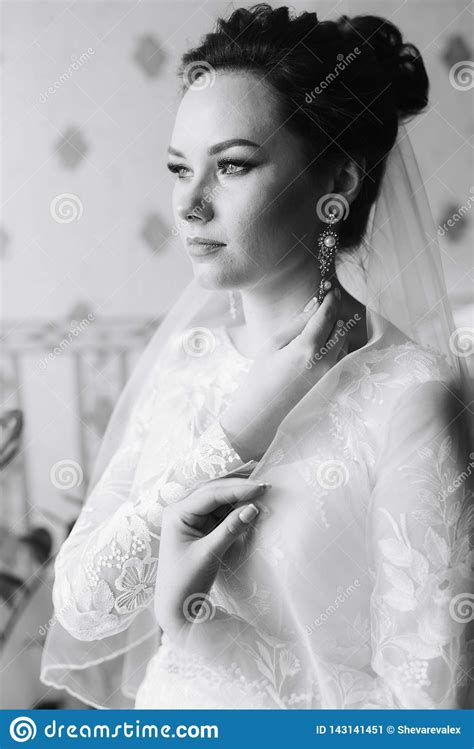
[354, 110]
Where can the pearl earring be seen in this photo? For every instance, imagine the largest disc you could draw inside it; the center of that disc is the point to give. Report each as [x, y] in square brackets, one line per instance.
[328, 242]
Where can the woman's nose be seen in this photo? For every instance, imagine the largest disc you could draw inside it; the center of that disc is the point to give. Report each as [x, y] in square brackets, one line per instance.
[196, 205]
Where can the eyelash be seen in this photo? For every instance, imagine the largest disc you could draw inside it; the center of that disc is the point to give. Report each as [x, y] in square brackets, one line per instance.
[176, 168]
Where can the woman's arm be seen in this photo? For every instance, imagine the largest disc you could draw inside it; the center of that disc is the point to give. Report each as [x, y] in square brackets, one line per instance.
[105, 552]
[419, 539]
[106, 569]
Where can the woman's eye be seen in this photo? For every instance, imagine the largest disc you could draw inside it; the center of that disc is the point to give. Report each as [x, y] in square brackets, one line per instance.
[176, 169]
[230, 166]
[242, 166]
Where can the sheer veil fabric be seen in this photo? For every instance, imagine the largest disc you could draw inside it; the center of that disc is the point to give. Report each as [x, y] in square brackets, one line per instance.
[397, 274]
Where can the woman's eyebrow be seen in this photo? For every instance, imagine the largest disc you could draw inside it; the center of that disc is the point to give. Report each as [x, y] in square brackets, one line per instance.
[219, 146]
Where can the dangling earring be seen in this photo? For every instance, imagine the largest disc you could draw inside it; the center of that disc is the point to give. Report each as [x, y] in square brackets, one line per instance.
[232, 305]
[328, 242]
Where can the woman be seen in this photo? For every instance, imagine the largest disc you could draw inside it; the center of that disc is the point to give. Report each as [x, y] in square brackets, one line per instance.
[313, 352]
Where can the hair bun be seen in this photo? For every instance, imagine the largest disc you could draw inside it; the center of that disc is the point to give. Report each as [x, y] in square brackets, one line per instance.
[402, 63]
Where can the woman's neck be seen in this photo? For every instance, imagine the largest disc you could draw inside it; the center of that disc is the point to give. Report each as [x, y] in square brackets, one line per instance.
[267, 308]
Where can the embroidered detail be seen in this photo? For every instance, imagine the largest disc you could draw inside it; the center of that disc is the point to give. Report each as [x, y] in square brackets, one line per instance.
[407, 643]
[214, 686]
[106, 570]
[137, 580]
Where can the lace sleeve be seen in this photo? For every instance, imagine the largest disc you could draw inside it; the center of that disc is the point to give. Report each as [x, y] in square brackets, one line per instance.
[106, 569]
[211, 457]
[419, 540]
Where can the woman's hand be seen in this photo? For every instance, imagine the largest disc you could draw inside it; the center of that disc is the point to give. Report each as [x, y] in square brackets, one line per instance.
[294, 360]
[196, 532]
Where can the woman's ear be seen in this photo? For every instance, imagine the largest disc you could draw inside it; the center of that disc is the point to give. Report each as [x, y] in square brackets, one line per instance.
[349, 178]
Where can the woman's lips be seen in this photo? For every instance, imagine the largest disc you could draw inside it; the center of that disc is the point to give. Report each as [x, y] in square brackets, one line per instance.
[200, 250]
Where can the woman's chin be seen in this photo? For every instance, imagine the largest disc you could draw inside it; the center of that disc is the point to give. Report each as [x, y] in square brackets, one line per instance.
[213, 278]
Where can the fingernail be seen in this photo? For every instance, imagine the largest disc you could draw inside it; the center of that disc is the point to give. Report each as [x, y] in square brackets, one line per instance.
[256, 487]
[312, 303]
[248, 513]
[337, 293]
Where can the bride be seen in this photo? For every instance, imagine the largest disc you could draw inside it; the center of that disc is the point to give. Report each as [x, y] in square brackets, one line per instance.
[279, 514]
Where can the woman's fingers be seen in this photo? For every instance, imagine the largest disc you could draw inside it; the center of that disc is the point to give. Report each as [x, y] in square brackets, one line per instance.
[332, 347]
[292, 328]
[318, 315]
[236, 523]
[295, 326]
[318, 327]
[211, 496]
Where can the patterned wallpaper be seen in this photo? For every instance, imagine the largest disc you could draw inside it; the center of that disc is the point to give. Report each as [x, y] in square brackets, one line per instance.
[90, 259]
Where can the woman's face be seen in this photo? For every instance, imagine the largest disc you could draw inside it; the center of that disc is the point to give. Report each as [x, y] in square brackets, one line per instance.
[259, 209]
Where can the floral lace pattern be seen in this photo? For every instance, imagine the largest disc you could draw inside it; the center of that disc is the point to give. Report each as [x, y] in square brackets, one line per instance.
[343, 597]
[105, 574]
[198, 683]
[424, 565]
[397, 644]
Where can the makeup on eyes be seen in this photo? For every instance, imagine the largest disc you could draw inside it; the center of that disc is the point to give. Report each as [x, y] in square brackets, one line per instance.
[244, 165]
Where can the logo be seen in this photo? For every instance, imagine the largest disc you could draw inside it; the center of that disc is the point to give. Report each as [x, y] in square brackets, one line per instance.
[22, 729]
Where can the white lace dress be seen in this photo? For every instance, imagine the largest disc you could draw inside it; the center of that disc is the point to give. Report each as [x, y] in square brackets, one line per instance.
[376, 572]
